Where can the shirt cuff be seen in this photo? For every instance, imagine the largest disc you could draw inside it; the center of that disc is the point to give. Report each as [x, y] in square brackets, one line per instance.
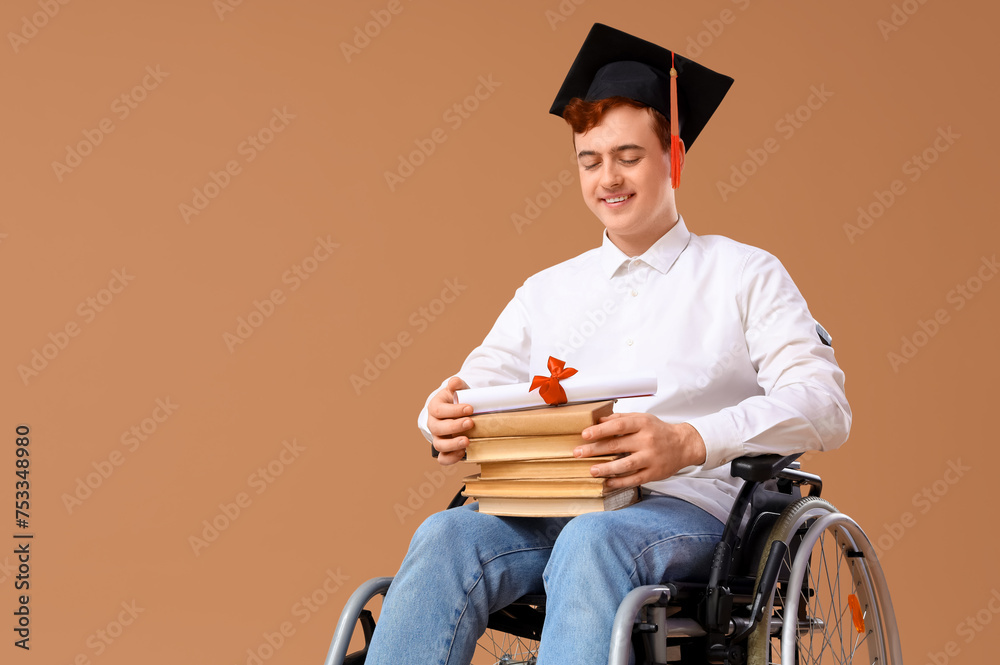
[722, 441]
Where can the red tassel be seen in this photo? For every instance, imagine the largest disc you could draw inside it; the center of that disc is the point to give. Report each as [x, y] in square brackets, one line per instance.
[675, 134]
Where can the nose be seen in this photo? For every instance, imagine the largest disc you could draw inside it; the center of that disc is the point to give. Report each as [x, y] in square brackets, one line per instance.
[610, 175]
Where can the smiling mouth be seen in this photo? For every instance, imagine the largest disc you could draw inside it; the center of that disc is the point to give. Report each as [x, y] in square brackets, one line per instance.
[618, 199]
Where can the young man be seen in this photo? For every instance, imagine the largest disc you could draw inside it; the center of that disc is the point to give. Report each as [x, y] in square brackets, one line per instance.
[740, 371]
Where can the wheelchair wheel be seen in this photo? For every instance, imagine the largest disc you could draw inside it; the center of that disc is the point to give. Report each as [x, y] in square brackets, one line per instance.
[499, 648]
[834, 605]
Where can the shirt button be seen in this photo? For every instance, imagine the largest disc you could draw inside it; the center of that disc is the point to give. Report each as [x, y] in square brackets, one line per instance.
[629, 341]
[634, 293]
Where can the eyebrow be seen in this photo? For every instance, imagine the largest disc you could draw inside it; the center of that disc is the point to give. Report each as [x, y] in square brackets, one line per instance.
[621, 148]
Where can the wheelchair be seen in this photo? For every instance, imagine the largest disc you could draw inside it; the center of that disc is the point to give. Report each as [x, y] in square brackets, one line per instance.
[792, 580]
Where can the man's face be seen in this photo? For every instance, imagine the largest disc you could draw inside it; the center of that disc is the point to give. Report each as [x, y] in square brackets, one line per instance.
[625, 178]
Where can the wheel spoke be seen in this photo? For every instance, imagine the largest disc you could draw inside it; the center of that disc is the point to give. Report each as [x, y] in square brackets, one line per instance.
[499, 648]
[824, 622]
[837, 612]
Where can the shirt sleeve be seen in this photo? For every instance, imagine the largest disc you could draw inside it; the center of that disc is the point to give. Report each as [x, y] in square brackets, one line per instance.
[501, 359]
[803, 405]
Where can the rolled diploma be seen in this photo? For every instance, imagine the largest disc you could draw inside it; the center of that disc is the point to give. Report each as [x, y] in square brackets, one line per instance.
[579, 388]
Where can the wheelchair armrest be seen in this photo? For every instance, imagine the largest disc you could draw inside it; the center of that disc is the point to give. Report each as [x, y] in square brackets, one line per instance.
[760, 468]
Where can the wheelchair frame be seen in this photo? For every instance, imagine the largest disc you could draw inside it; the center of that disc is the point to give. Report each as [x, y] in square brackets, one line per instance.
[726, 615]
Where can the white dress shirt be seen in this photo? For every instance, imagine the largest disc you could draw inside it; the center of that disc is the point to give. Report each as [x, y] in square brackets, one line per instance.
[720, 323]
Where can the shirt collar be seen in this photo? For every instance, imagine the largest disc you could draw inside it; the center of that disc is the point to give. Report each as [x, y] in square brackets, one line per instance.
[661, 255]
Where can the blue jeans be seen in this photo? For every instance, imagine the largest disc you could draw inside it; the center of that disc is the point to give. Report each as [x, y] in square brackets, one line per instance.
[463, 565]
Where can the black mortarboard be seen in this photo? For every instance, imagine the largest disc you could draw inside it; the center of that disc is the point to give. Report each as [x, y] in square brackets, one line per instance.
[613, 63]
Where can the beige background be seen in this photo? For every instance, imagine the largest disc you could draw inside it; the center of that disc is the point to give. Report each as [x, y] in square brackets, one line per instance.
[337, 503]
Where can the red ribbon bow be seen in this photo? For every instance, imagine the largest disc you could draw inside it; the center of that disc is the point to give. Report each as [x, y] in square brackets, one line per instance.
[548, 386]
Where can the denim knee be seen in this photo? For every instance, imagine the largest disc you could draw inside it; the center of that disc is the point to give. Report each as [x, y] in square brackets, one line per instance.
[442, 528]
[588, 537]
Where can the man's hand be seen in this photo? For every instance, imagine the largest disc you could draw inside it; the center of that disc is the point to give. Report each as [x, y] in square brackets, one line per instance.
[446, 421]
[657, 449]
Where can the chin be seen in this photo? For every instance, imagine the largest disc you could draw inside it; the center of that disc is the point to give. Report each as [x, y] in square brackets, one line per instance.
[619, 225]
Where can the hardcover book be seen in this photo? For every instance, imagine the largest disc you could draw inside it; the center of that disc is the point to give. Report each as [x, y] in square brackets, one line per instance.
[569, 419]
[557, 506]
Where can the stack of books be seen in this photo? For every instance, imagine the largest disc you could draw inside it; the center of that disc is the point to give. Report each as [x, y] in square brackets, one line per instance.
[527, 466]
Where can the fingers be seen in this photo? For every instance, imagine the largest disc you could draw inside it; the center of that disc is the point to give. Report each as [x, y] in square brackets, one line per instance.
[612, 446]
[623, 466]
[614, 425]
[447, 459]
[447, 444]
[442, 406]
[457, 383]
[656, 450]
[450, 449]
[628, 471]
[448, 426]
[617, 434]
[633, 480]
[446, 420]
[445, 417]
[608, 436]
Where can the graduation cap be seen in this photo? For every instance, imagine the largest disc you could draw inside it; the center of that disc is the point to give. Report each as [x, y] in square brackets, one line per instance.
[612, 63]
